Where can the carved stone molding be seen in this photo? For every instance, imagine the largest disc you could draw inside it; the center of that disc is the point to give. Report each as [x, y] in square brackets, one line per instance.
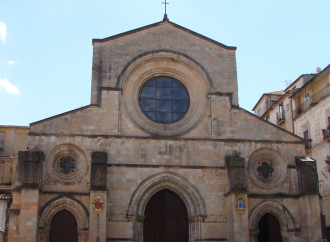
[165, 63]
[281, 213]
[167, 180]
[273, 160]
[180, 186]
[54, 206]
[67, 150]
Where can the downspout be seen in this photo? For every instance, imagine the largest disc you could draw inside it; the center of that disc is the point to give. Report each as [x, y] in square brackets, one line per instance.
[14, 142]
[293, 131]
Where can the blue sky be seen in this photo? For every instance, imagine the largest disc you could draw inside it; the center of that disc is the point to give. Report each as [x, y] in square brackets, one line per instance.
[46, 46]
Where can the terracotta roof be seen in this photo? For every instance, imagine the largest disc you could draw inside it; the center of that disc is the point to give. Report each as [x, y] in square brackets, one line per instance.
[311, 80]
[161, 23]
[13, 126]
[280, 93]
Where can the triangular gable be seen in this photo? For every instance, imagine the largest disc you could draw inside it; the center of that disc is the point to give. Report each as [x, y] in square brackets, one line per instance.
[159, 24]
[280, 129]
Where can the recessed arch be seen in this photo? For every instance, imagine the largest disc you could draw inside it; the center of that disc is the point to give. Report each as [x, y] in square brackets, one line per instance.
[64, 202]
[171, 181]
[173, 55]
[172, 65]
[278, 210]
[181, 187]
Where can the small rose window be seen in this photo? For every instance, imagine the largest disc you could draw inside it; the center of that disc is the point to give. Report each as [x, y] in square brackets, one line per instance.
[67, 165]
[265, 169]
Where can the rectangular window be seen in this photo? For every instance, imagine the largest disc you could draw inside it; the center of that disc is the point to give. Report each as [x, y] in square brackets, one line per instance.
[306, 136]
[2, 140]
[268, 118]
[259, 114]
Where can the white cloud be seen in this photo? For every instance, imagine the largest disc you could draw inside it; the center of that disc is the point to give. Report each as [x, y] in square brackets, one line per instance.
[9, 62]
[3, 31]
[8, 86]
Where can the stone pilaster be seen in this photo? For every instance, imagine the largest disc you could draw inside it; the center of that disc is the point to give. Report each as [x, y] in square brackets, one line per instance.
[309, 200]
[98, 198]
[29, 168]
[238, 224]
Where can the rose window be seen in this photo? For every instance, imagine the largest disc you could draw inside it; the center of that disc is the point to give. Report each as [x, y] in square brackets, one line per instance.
[164, 100]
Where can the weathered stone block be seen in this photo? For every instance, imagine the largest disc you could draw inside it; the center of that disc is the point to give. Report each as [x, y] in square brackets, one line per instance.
[30, 167]
[99, 171]
[236, 174]
[307, 176]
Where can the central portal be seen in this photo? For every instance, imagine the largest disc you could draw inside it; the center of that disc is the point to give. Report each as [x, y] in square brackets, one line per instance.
[166, 219]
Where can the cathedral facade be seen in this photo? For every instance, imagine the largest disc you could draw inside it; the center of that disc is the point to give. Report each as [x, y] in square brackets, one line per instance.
[163, 153]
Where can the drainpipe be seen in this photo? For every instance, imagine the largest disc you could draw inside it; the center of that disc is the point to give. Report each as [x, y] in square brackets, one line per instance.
[14, 142]
[293, 131]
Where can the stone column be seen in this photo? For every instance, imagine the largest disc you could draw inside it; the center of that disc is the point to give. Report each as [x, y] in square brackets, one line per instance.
[82, 235]
[29, 168]
[237, 218]
[98, 198]
[44, 234]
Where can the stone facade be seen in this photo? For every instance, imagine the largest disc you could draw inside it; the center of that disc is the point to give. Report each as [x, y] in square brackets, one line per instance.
[104, 162]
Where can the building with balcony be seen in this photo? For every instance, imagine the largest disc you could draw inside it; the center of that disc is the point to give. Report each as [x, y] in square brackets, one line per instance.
[12, 140]
[304, 109]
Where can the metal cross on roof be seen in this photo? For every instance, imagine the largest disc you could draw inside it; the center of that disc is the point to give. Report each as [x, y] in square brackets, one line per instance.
[165, 5]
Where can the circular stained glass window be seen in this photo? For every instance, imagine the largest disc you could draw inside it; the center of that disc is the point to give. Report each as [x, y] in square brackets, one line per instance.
[164, 99]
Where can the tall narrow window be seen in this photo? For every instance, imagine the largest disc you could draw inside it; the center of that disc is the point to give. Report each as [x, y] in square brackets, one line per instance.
[308, 144]
[259, 114]
[2, 139]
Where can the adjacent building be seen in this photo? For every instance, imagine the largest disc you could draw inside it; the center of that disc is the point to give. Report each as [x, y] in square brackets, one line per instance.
[12, 140]
[304, 109]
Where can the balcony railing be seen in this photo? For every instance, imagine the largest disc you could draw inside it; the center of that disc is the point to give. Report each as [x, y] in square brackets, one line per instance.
[324, 92]
[326, 134]
[308, 143]
[281, 117]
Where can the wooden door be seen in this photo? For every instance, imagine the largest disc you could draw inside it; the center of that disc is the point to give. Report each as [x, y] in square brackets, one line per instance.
[63, 227]
[166, 219]
[269, 229]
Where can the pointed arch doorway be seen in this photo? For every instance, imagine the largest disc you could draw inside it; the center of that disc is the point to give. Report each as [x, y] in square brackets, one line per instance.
[270, 230]
[166, 219]
[63, 227]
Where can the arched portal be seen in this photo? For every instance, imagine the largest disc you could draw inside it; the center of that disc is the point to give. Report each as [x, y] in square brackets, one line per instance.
[269, 229]
[166, 218]
[176, 183]
[276, 209]
[63, 227]
[58, 204]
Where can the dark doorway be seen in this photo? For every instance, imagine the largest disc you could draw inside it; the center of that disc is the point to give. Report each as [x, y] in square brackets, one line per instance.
[63, 228]
[270, 230]
[166, 219]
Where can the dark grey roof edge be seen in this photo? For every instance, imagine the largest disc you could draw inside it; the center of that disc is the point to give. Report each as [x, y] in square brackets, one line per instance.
[157, 24]
[62, 114]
